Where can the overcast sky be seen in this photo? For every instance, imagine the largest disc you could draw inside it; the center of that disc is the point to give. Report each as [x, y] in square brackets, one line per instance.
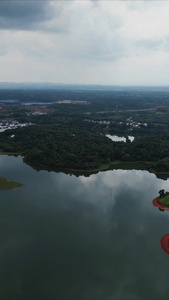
[85, 41]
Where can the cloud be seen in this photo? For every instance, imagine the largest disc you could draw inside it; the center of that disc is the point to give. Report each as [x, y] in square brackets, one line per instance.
[107, 42]
[150, 44]
[24, 15]
[93, 31]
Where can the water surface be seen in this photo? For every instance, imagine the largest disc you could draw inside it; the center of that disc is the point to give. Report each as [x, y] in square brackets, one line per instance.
[67, 237]
[116, 138]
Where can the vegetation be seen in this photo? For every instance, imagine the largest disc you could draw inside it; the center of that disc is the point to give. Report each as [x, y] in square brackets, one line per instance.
[165, 201]
[72, 135]
[7, 184]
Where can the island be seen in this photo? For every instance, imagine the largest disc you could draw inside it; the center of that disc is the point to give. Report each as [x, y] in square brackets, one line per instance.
[6, 184]
[162, 201]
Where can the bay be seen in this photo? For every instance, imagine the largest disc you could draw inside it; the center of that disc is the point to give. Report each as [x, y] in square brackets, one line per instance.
[68, 237]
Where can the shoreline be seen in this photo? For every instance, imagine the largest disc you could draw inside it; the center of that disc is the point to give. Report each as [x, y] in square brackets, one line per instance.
[158, 204]
[114, 165]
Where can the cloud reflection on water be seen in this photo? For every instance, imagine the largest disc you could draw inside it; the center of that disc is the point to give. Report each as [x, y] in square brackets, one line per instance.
[99, 236]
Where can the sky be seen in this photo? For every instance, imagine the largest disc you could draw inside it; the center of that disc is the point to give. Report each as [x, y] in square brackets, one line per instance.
[85, 42]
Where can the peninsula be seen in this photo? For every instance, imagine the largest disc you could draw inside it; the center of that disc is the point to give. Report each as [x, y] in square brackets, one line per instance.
[6, 184]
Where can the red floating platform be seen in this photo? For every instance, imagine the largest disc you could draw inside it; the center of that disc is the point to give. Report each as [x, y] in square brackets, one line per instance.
[165, 243]
[159, 205]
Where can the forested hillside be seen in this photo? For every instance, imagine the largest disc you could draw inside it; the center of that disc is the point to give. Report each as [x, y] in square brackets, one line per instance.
[71, 133]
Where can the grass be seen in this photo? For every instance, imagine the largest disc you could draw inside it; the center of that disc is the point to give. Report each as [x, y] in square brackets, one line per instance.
[7, 184]
[106, 166]
[10, 153]
[165, 200]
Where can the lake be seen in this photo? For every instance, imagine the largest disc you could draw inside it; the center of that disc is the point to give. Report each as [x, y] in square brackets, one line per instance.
[81, 238]
[116, 138]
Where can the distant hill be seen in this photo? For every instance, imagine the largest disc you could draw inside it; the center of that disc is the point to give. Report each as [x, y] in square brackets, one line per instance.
[51, 85]
[62, 86]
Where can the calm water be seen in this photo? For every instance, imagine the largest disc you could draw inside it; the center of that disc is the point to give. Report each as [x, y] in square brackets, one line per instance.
[67, 237]
[116, 138]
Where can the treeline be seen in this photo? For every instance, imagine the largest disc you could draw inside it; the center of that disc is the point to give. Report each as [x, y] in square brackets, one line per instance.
[64, 147]
[147, 148]
[70, 136]
[125, 98]
[60, 147]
